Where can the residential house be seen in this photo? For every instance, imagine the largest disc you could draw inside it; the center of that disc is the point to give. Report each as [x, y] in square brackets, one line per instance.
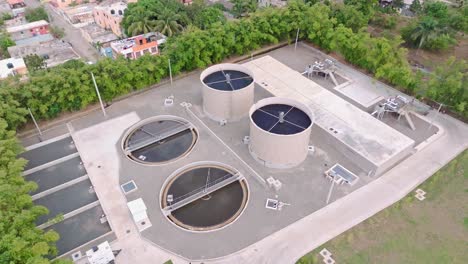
[12, 66]
[54, 52]
[16, 3]
[29, 30]
[96, 35]
[135, 47]
[62, 4]
[80, 15]
[108, 15]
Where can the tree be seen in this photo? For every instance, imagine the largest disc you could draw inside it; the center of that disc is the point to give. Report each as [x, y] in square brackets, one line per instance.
[167, 23]
[150, 10]
[20, 240]
[209, 16]
[35, 62]
[426, 30]
[366, 7]
[57, 32]
[5, 42]
[350, 17]
[447, 84]
[142, 27]
[416, 7]
[36, 14]
[436, 9]
[243, 7]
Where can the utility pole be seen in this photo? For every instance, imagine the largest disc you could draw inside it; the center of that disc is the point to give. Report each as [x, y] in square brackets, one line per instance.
[99, 95]
[35, 123]
[170, 70]
[297, 38]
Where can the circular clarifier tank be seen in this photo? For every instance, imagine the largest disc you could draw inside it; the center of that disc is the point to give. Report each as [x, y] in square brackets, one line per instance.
[280, 132]
[204, 196]
[228, 91]
[159, 140]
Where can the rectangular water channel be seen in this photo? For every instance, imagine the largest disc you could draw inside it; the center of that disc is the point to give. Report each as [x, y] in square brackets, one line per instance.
[67, 200]
[48, 153]
[56, 175]
[80, 229]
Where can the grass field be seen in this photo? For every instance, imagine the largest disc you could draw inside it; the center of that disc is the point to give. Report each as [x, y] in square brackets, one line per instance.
[432, 231]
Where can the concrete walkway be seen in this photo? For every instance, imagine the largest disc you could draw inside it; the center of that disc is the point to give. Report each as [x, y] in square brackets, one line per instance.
[294, 241]
[288, 244]
[103, 169]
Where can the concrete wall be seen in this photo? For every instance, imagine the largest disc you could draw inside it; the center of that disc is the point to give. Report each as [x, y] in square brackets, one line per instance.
[274, 150]
[227, 105]
[360, 161]
[30, 32]
[104, 18]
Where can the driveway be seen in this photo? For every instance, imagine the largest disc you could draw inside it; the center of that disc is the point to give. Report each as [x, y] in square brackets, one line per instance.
[72, 34]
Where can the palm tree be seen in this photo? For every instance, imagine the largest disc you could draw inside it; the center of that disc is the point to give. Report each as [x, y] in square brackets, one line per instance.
[142, 27]
[427, 29]
[168, 23]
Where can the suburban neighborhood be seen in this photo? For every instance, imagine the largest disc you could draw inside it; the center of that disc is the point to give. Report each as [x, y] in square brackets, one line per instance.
[233, 131]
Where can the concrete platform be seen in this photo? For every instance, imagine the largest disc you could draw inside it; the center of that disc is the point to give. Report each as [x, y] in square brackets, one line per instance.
[64, 188]
[47, 153]
[67, 200]
[56, 175]
[260, 235]
[379, 145]
[80, 229]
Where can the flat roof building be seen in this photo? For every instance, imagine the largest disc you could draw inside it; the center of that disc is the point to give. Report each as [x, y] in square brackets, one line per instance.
[16, 3]
[374, 145]
[11, 67]
[109, 15]
[54, 52]
[80, 15]
[135, 47]
[62, 4]
[29, 30]
[95, 34]
[34, 40]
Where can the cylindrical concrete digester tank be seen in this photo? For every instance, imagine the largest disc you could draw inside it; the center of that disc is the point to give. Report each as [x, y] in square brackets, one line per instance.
[279, 132]
[228, 91]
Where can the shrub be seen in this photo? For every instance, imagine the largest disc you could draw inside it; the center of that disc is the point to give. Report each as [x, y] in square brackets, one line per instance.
[441, 42]
[384, 20]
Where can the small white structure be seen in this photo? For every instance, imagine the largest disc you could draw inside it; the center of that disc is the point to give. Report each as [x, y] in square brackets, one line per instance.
[138, 209]
[101, 254]
[11, 67]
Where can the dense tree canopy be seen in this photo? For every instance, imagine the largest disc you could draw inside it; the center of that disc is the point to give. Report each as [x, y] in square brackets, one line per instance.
[169, 16]
[5, 42]
[150, 15]
[447, 84]
[35, 62]
[20, 240]
[36, 14]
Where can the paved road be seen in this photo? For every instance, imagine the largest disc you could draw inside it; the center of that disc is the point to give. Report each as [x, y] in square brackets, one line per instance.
[72, 34]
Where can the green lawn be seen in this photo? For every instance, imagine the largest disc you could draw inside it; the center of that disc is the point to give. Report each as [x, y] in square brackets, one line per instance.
[432, 231]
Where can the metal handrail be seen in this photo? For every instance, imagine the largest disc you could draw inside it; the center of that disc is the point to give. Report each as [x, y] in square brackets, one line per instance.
[155, 138]
[202, 189]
